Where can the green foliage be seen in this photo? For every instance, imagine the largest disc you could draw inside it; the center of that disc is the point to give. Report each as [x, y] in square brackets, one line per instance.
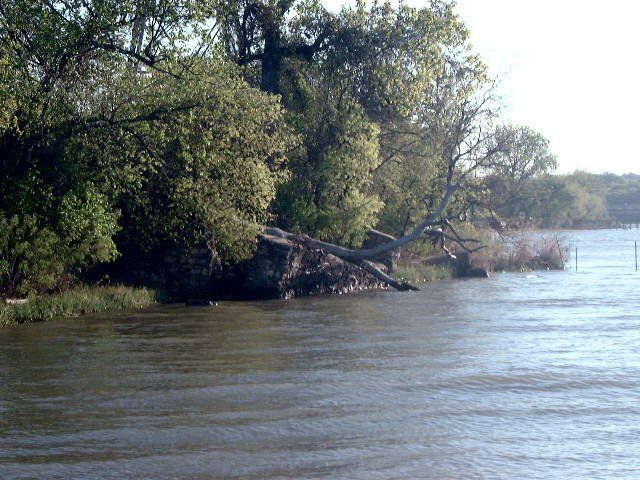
[131, 127]
[209, 171]
[409, 182]
[122, 139]
[389, 58]
[35, 257]
[329, 194]
[618, 189]
[620, 193]
[30, 257]
[572, 205]
[87, 224]
[8, 98]
[521, 191]
[393, 80]
[447, 139]
[553, 201]
[523, 155]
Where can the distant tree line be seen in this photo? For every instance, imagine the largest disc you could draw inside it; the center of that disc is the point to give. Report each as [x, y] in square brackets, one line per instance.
[129, 127]
[576, 200]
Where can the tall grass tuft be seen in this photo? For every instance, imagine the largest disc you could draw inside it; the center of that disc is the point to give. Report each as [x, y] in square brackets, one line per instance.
[75, 302]
[524, 251]
[420, 273]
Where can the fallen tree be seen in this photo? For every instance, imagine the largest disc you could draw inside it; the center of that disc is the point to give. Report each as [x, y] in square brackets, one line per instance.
[435, 226]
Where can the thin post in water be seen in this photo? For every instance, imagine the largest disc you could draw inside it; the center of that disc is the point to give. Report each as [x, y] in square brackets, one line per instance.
[576, 259]
[636, 248]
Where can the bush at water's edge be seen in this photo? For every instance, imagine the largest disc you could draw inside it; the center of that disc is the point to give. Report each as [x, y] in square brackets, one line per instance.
[523, 251]
[77, 301]
[506, 252]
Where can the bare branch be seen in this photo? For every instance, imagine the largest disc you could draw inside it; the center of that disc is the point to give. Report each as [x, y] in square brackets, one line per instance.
[379, 274]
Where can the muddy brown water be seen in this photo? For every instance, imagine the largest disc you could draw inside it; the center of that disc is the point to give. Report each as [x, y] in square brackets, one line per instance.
[519, 376]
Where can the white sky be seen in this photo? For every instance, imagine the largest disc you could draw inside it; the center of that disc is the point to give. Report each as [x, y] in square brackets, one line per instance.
[570, 69]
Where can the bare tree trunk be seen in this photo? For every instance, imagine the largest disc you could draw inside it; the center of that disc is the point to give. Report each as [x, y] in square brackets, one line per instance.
[380, 275]
[137, 33]
[357, 255]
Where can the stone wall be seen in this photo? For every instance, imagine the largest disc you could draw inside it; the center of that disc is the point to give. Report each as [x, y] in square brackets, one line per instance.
[182, 273]
[192, 272]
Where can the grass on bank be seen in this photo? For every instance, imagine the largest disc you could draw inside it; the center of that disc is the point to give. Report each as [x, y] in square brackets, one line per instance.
[420, 273]
[75, 302]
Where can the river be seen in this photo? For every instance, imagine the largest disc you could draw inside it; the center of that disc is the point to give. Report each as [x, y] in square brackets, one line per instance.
[519, 376]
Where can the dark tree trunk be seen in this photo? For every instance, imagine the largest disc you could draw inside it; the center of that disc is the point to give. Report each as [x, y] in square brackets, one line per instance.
[272, 55]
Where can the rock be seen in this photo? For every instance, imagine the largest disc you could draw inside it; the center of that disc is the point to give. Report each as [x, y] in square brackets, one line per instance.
[196, 302]
[16, 301]
[191, 272]
[477, 272]
[465, 267]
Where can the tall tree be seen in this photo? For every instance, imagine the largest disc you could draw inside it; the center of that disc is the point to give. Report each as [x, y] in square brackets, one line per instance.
[267, 33]
[524, 155]
[115, 121]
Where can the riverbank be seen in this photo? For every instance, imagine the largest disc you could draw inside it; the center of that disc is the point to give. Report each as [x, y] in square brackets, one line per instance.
[284, 270]
[76, 302]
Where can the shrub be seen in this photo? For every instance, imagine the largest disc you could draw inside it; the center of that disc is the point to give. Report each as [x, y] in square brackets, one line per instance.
[40, 252]
[551, 253]
[523, 251]
[30, 259]
[87, 225]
